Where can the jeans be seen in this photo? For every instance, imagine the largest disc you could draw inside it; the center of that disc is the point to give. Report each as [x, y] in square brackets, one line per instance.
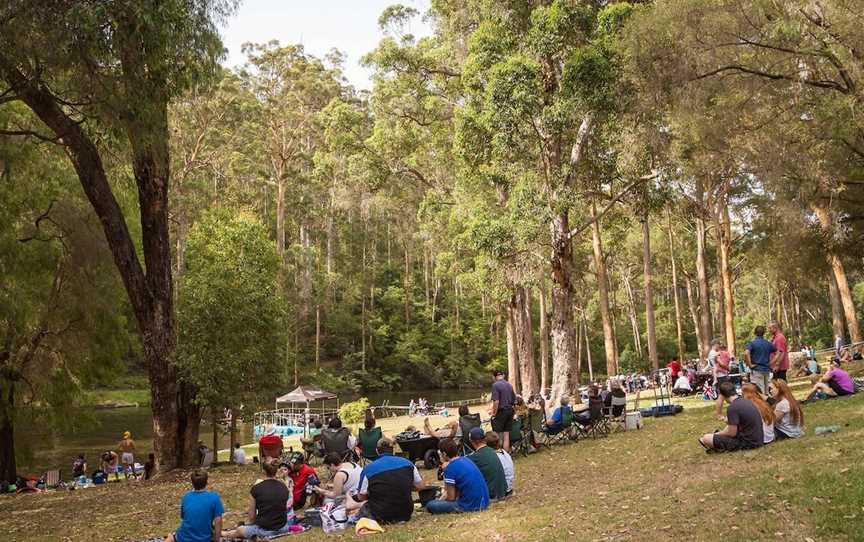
[442, 507]
[250, 531]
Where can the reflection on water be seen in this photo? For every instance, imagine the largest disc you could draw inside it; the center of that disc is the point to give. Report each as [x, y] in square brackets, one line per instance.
[41, 449]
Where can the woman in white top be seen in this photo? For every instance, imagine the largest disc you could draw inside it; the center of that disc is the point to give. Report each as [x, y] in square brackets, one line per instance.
[788, 416]
[345, 478]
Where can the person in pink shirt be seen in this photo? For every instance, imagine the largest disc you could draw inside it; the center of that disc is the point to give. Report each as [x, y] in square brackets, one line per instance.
[835, 383]
[721, 374]
[780, 359]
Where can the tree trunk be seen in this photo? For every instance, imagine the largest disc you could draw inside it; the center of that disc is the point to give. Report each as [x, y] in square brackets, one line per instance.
[8, 466]
[232, 439]
[631, 313]
[845, 293]
[838, 321]
[679, 332]
[649, 295]
[280, 217]
[215, 414]
[588, 349]
[602, 286]
[694, 313]
[563, 342]
[724, 242]
[544, 341]
[523, 331]
[512, 350]
[406, 284]
[707, 331]
[317, 337]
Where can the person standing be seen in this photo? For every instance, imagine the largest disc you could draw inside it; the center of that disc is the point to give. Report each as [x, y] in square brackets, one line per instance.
[722, 368]
[127, 454]
[758, 356]
[838, 345]
[780, 359]
[503, 400]
[239, 454]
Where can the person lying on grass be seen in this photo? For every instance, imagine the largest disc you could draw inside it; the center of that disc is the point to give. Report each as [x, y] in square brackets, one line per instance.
[200, 513]
[487, 461]
[743, 424]
[465, 488]
[267, 514]
[835, 383]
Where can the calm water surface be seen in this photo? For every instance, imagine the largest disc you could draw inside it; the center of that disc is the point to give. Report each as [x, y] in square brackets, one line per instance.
[41, 449]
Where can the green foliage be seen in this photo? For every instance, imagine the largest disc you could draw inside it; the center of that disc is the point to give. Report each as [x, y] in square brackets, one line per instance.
[353, 412]
[230, 314]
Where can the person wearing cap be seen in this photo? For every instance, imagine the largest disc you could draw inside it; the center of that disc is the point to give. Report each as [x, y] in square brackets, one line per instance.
[385, 487]
[465, 488]
[503, 401]
[127, 457]
[301, 474]
[487, 461]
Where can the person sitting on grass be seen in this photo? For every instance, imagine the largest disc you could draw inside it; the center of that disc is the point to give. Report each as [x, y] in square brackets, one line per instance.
[239, 454]
[487, 461]
[345, 476]
[788, 417]
[465, 488]
[494, 442]
[200, 513]
[385, 487]
[561, 418]
[751, 392]
[267, 514]
[79, 466]
[682, 385]
[743, 427]
[835, 383]
[301, 475]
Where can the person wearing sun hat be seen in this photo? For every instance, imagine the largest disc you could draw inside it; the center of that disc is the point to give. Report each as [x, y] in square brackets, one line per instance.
[127, 454]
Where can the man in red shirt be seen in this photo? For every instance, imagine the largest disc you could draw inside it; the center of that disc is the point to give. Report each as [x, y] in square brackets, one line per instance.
[302, 475]
[780, 360]
[674, 367]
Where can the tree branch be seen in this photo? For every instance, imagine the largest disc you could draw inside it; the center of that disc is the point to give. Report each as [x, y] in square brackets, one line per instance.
[831, 85]
[582, 227]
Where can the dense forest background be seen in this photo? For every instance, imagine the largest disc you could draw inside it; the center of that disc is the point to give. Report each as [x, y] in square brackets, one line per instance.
[555, 188]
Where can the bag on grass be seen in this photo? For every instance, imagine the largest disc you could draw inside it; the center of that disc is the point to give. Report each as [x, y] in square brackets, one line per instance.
[333, 517]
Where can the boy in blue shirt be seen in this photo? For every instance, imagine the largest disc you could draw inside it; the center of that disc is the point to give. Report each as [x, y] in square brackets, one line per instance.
[465, 489]
[200, 513]
[758, 355]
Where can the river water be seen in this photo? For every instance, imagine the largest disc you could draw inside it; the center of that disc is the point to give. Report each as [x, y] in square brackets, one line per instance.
[41, 449]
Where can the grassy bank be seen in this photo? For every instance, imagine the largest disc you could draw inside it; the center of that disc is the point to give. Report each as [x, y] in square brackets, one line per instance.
[652, 484]
[109, 397]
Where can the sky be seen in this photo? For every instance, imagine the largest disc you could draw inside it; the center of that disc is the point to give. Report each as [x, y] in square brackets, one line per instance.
[320, 25]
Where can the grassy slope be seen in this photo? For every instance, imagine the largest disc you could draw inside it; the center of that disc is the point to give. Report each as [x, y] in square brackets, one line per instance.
[654, 484]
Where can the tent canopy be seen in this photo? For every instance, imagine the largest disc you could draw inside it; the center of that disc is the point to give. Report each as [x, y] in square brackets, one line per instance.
[305, 394]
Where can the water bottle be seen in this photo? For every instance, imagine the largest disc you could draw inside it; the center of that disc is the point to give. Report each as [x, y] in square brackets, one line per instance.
[827, 429]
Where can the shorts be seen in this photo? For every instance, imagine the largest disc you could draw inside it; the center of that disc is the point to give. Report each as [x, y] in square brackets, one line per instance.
[127, 458]
[761, 380]
[502, 422]
[837, 389]
[250, 531]
[731, 444]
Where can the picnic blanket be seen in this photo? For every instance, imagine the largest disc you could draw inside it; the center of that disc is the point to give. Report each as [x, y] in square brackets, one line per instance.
[299, 529]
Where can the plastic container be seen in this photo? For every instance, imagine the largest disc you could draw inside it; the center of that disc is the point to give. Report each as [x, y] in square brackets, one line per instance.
[827, 429]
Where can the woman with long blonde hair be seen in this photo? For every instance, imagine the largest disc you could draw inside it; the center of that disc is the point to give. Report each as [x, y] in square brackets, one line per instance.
[751, 393]
[788, 416]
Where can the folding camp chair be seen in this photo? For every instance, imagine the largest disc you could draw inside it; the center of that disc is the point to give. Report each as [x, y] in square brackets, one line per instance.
[520, 439]
[367, 442]
[561, 433]
[616, 414]
[466, 424]
[52, 478]
[336, 440]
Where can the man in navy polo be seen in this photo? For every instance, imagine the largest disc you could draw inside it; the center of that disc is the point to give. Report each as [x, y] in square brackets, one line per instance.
[758, 357]
[386, 485]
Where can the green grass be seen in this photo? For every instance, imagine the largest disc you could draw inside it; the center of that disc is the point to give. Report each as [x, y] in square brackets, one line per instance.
[141, 396]
[651, 484]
